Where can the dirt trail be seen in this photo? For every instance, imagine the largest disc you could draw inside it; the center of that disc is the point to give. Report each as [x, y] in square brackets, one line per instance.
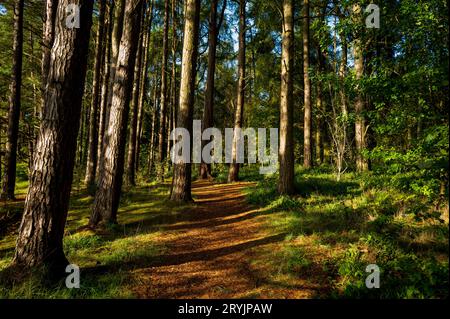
[209, 255]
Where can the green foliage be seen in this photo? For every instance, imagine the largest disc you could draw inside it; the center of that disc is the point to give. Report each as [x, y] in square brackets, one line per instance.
[362, 220]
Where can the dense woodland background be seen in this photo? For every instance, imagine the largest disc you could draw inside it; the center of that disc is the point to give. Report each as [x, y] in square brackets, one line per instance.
[85, 116]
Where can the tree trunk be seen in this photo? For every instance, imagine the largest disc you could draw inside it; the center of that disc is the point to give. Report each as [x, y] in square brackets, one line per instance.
[233, 174]
[115, 43]
[360, 123]
[40, 239]
[163, 99]
[152, 131]
[105, 83]
[91, 162]
[48, 38]
[208, 111]
[144, 81]
[307, 154]
[9, 179]
[107, 198]
[286, 151]
[131, 160]
[181, 183]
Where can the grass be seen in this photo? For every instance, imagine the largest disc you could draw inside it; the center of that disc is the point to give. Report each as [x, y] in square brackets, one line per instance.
[350, 224]
[142, 213]
[333, 230]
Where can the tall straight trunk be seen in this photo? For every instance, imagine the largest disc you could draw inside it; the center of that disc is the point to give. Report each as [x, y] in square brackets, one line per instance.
[173, 82]
[307, 153]
[153, 129]
[286, 151]
[181, 183]
[163, 100]
[321, 106]
[91, 162]
[119, 12]
[342, 75]
[105, 81]
[48, 38]
[40, 239]
[208, 111]
[360, 123]
[144, 82]
[131, 160]
[233, 174]
[9, 179]
[106, 202]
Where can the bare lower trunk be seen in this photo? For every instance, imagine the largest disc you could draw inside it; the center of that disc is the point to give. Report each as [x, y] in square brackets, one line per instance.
[144, 81]
[208, 111]
[131, 160]
[95, 105]
[286, 151]
[163, 100]
[116, 36]
[105, 84]
[9, 179]
[40, 239]
[307, 154]
[181, 183]
[233, 174]
[107, 198]
[360, 123]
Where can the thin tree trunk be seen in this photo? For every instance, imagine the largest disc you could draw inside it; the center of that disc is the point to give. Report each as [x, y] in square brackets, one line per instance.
[286, 151]
[320, 104]
[153, 131]
[9, 179]
[233, 174]
[208, 111]
[105, 83]
[163, 99]
[181, 183]
[91, 162]
[48, 38]
[40, 239]
[131, 160]
[115, 43]
[106, 202]
[307, 153]
[144, 82]
[360, 123]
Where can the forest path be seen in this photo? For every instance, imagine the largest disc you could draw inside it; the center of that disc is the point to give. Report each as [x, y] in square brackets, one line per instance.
[210, 255]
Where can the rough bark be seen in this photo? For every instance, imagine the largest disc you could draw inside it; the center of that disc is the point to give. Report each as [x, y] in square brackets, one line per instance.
[9, 179]
[181, 183]
[144, 82]
[233, 174]
[48, 38]
[360, 123]
[119, 10]
[105, 82]
[91, 162]
[40, 239]
[208, 111]
[131, 159]
[107, 197]
[286, 151]
[307, 153]
[163, 100]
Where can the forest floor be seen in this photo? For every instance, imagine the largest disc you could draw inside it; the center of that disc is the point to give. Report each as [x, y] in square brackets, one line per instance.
[211, 253]
[242, 240]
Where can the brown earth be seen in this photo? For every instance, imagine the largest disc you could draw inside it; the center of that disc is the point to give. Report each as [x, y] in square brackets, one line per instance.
[212, 253]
